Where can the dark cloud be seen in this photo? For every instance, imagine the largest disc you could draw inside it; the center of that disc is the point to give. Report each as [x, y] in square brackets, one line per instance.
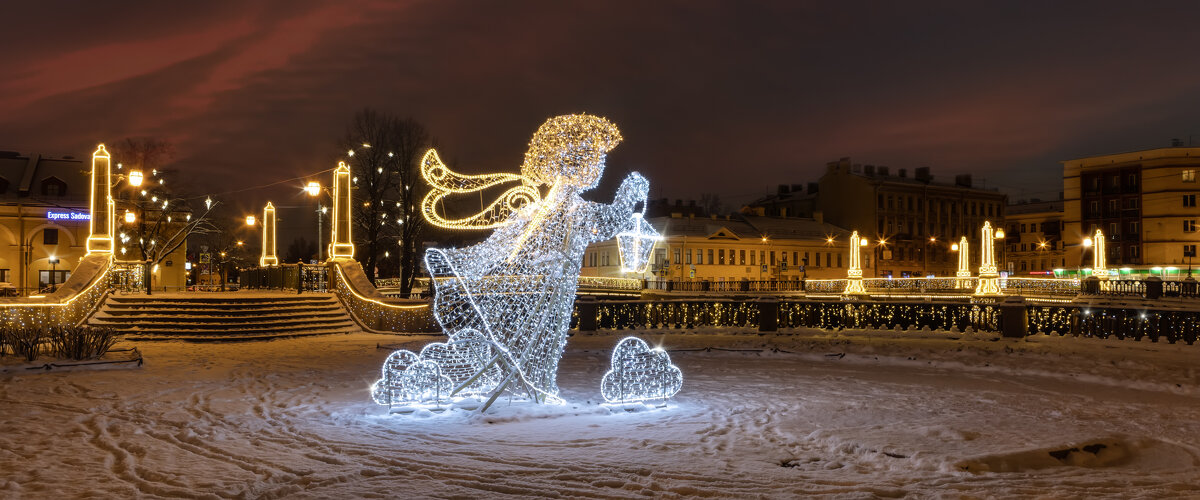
[727, 97]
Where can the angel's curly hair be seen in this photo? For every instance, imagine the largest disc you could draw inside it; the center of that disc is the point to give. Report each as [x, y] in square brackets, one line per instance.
[570, 147]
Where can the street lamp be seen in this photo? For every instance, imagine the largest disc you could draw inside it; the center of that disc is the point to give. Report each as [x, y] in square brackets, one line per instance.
[1003, 249]
[1087, 243]
[135, 178]
[130, 217]
[313, 188]
[250, 220]
[53, 262]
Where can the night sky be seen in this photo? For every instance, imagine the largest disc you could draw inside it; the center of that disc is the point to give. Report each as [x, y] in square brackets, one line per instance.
[725, 97]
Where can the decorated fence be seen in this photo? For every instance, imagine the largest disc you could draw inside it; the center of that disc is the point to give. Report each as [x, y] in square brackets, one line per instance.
[371, 309]
[70, 305]
[1016, 319]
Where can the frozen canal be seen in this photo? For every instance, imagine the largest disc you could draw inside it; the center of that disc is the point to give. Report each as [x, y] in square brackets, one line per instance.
[856, 415]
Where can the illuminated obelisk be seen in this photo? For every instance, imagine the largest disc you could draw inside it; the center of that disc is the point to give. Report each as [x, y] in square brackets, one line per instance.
[854, 275]
[963, 275]
[989, 279]
[268, 241]
[100, 237]
[1099, 266]
[340, 246]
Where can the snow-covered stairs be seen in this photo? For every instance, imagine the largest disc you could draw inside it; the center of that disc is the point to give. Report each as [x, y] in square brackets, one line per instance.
[233, 316]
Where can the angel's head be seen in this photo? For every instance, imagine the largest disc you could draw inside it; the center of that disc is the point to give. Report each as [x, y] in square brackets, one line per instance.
[570, 149]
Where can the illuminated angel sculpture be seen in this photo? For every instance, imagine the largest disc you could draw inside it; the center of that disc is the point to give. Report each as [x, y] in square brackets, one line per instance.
[506, 302]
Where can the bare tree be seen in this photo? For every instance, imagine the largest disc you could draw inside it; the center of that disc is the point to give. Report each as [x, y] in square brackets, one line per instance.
[711, 203]
[145, 154]
[384, 152]
[159, 221]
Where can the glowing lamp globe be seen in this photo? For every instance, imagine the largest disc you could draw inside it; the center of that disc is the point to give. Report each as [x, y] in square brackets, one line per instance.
[130, 217]
[636, 245]
[313, 188]
[135, 177]
[250, 220]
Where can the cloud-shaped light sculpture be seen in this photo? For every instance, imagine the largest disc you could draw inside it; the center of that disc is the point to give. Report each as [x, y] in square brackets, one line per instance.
[639, 373]
[506, 302]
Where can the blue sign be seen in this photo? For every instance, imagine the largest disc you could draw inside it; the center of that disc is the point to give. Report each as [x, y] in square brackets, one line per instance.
[52, 215]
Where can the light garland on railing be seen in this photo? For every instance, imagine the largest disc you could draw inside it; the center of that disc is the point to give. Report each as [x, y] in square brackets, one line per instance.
[70, 312]
[510, 297]
[638, 373]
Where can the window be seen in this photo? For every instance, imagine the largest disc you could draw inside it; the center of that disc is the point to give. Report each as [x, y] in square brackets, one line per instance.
[1189, 176]
[49, 236]
[880, 202]
[1093, 208]
[1189, 200]
[1188, 251]
[795, 257]
[1022, 228]
[710, 257]
[4, 275]
[742, 257]
[1023, 248]
[1134, 253]
[1189, 226]
[687, 257]
[1023, 266]
[752, 257]
[828, 260]
[772, 257]
[839, 261]
[1131, 203]
[721, 256]
[1132, 180]
[53, 186]
[59, 277]
[1134, 228]
[1033, 227]
[1114, 181]
[1114, 205]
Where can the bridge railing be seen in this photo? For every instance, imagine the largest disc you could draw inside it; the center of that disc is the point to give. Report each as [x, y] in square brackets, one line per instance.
[287, 277]
[371, 309]
[70, 304]
[1010, 318]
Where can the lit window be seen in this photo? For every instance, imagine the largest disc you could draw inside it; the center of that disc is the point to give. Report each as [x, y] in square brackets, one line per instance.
[1189, 226]
[1189, 176]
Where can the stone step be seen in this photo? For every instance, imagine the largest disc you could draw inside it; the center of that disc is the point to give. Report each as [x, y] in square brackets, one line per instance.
[346, 325]
[215, 325]
[223, 317]
[238, 311]
[238, 337]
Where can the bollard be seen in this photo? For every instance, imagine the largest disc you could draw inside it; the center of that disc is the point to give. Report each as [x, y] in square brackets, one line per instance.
[587, 309]
[768, 315]
[1014, 320]
[1154, 288]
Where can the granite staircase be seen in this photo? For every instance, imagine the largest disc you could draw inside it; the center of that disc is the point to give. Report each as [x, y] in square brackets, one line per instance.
[216, 317]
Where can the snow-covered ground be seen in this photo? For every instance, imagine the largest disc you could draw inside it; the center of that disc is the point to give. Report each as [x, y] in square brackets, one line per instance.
[855, 415]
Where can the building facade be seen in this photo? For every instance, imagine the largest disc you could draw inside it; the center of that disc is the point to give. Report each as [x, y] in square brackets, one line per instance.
[733, 248]
[1033, 238]
[912, 222]
[44, 224]
[44, 217]
[1144, 202]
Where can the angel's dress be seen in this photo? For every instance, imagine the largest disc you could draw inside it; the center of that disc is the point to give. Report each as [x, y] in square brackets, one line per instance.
[517, 288]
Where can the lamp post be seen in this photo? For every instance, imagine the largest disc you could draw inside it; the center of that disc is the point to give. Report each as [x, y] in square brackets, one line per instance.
[313, 188]
[53, 262]
[1003, 250]
[1087, 243]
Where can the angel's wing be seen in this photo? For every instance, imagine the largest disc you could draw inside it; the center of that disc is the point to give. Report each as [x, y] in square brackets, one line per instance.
[443, 182]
